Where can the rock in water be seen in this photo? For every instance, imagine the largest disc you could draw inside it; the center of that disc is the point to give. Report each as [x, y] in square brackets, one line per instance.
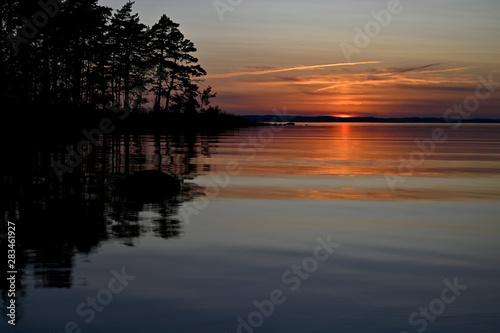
[148, 186]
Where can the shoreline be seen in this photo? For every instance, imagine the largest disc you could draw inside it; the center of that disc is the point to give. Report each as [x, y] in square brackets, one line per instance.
[406, 120]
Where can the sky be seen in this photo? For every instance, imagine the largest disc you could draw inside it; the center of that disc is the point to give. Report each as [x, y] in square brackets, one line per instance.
[381, 58]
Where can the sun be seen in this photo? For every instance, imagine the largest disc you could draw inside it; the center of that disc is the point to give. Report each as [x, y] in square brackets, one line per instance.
[342, 115]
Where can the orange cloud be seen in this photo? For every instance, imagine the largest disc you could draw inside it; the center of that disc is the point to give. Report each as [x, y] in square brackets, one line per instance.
[397, 77]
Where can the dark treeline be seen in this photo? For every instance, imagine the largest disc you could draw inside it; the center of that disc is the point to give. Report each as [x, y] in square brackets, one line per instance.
[78, 53]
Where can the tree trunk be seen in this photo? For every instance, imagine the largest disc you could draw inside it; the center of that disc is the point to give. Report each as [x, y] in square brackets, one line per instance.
[126, 88]
[158, 93]
[169, 92]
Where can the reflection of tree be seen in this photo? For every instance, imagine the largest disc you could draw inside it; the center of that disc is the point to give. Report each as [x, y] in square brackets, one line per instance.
[57, 220]
[125, 222]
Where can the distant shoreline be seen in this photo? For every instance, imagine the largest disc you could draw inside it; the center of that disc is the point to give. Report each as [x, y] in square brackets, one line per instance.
[329, 119]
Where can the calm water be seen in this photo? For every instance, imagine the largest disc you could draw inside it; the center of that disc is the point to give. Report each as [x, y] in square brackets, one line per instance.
[255, 207]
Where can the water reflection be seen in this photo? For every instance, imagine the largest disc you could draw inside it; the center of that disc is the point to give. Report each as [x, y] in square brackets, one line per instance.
[55, 221]
[397, 247]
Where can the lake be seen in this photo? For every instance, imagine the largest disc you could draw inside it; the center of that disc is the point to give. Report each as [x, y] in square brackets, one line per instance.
[343, 227]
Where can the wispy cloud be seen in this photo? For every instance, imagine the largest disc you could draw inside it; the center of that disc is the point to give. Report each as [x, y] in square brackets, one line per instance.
[397, 76]
[279, 70]
[417, 68]
[459, 69]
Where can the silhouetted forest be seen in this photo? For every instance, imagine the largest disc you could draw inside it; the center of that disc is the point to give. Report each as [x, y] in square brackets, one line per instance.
[78, 55]
[77, 75]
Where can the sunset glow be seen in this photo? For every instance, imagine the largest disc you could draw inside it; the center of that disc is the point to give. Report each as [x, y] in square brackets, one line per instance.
[189, 165]
[261, 56]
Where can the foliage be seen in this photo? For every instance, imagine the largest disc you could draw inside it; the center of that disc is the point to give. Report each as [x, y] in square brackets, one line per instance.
[90, 56]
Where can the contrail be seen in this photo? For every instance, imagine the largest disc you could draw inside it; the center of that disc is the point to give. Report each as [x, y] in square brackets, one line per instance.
[278, 70]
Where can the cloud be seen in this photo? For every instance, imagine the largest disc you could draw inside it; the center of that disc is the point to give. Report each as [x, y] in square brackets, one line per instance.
[417, 68]
[279, 70]
[398, 76]
[458, 69]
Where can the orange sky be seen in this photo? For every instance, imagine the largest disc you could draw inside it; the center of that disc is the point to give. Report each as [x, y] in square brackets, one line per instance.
[366, 89]
[264, 54]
